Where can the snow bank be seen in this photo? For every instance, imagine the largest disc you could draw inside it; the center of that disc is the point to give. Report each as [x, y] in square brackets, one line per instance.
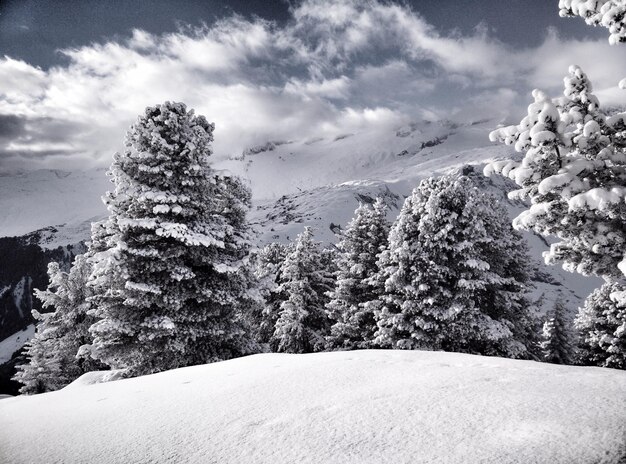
[343, 407]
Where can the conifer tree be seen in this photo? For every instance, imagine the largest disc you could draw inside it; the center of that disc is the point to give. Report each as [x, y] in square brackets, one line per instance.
[557, 337]
[574, 171]
[52, 352]
[453, 278]
[267, 268]
[607, 13]
[302, 323]
[602, 325]
[173, 281]
[354, 323]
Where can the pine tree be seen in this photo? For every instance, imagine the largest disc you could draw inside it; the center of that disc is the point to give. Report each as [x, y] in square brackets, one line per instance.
[267, 268]
[557, 336]
[453, 278]
[173, 280]
[574, 173]
[302, 323]
[607, 13]
[574, 169]
[354, 323]
[602, 324]
[52, 354]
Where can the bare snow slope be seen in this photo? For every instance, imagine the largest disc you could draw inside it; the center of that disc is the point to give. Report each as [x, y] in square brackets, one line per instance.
[31, 200]
[11, 344]
[340, 407]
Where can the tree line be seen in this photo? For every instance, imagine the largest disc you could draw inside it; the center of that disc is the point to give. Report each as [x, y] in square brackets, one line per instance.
[170, 278]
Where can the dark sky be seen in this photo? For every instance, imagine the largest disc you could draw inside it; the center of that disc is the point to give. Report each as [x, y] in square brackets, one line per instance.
[32, 30]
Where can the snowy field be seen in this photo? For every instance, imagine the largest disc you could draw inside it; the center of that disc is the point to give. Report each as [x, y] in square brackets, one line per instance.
[341, 407]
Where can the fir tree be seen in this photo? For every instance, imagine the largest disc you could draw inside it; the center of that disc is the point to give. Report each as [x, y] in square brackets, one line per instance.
[302, 323]
[607, 13]
[52, 354]
[455, 274]
[173, 280]
[353, 318]
[267, 267]
[602, 325]
[574, 171]
[557, 336]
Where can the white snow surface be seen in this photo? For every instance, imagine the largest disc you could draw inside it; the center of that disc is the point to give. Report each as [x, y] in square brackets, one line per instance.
[339, 407]
[11, 344]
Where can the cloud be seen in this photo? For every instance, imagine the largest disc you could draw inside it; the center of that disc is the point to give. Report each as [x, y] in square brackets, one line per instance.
[336, 67]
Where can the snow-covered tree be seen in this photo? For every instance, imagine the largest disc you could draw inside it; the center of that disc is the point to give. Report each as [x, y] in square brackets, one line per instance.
[557, 337]
[574, 174]
[607, 13]
[455, 274]
[602, 325]
[364, 238]
[52, 352]
[267, 267]
[173, 283]
[574, 168]
[302, 323]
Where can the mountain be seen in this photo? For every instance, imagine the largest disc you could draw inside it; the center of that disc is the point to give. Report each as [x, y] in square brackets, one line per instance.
[337, 407]
[317, 182]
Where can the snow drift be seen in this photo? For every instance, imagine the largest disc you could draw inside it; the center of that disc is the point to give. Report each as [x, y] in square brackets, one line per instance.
[339, 407]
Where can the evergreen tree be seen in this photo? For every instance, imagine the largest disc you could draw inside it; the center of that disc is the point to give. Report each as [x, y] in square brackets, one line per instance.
[52, 352]
[607, 13]
[302, 323]
[574, 172]
[353, 318]
[172, 281]
[557, 336]
[602, 324]
[455, 274]
[267, 267]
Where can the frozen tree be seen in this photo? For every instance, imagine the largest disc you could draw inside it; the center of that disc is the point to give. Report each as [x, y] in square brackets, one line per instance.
[574, 168]
[52, 353]
[602, 325]
[302, 323]
[353, 318]
[574, 174]
[267, 267]
[173, 283]
[607, 13]
[557, 337]
[455, 274]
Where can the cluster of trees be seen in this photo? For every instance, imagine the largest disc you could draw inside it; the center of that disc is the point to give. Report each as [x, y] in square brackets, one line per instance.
[449, 274]
[169, 279]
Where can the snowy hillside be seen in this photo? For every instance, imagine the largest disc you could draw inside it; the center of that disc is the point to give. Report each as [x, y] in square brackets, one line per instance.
[32, 200]
[11, 344]
[341, 407]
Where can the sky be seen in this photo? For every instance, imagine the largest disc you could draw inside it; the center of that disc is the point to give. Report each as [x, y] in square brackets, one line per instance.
[75, 74]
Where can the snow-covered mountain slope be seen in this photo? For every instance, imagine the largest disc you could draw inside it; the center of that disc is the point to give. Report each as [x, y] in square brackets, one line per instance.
[341, 407]
[11, 344]
[32, 200]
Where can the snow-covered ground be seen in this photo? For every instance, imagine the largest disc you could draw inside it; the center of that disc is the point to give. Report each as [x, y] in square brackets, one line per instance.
[11, 344]
[340, 407]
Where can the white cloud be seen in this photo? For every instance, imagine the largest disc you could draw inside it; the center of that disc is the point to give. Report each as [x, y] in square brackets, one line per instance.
[337, 67]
